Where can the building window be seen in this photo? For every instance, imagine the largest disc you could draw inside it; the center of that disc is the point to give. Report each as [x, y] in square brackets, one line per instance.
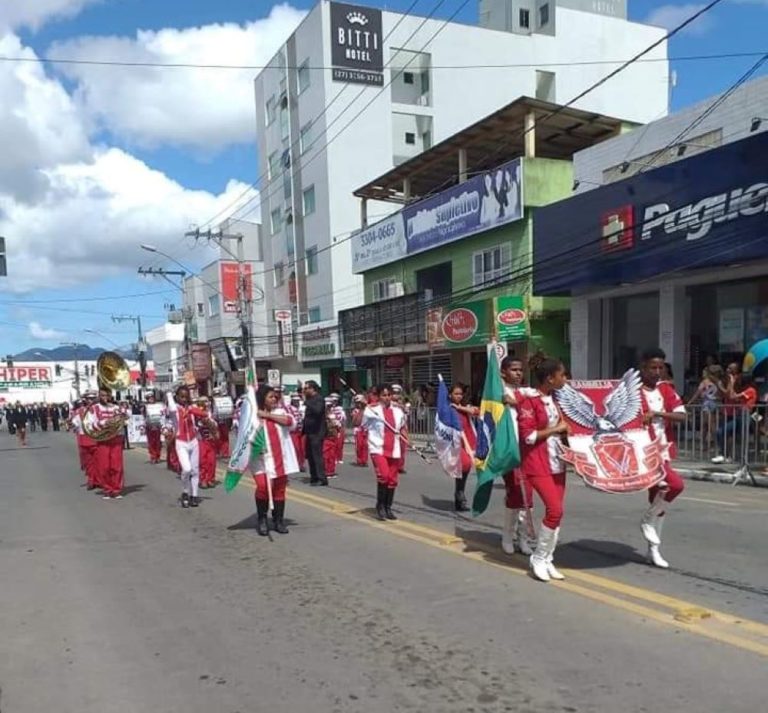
[213, 306]
[490, 266]
[200, 309]
[305, 137]
[311, 255]
[386, 288]
[314, 315]
[308, 201]
[302, 76]
[289, 246]
[275, 221]
[273, 165]
[525, 19]
[408, 77]
[544, 14]
[410, 138]
[279, 274]
[284, 122]
[270, 110]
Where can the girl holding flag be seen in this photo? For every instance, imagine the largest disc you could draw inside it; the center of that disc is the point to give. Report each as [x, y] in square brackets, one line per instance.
[385, 423]
[467, 415]
[541, 427]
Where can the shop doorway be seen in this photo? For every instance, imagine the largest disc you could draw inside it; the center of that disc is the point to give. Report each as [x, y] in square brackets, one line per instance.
[635, 328]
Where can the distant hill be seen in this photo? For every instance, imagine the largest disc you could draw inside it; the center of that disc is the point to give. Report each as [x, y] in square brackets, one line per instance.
[84, 353]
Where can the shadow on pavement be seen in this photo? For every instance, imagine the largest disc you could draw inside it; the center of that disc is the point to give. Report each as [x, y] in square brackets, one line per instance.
[249, 523]
[438, 504]
[597, 554]
[23, 448]
[131, 489]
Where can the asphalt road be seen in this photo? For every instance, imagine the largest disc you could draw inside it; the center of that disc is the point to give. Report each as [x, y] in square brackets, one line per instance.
[137, 605]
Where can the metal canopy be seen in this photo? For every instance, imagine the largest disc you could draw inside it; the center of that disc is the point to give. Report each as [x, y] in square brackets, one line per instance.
[500, 137]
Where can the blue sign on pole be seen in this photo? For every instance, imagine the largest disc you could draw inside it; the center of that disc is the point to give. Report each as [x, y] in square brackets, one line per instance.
[706, 211]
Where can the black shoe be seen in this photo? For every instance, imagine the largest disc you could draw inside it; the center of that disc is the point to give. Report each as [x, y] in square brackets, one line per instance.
[314, 483]
[388, 504]
[324, 481]
[460, 501]
[194, 501]
[184, 500]
[90, 487]
[262, 526]
[381, 502]
[277, 518]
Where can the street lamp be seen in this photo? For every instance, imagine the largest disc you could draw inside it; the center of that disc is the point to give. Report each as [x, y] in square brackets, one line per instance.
[103, 336]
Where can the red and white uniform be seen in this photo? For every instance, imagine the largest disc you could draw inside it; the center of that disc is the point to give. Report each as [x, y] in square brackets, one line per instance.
[341, 419]
[87, 449]
[519, 493]
[406, 409]
[296, 412]
[384, 425]
[109, 454]
[664, 399]
[209, 447]
[154, 440]
[541, 464]
[277, 460]
[360, 435]
[469, 439]
[183, 420]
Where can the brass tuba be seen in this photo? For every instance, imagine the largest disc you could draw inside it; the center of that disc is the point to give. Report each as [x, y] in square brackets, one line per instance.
[112, 371]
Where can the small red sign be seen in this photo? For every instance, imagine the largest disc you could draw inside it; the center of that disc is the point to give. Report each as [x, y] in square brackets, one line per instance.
[618, 229]
[511, 317]
[460, 325]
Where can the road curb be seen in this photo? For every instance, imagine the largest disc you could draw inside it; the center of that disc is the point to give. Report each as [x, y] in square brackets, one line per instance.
[717, 476]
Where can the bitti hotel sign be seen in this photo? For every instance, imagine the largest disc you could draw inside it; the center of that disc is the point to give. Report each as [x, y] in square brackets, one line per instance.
[357, 52]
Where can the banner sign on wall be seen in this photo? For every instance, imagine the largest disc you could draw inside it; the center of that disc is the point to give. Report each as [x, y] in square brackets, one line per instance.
[230, 275]
[466, 324]
[481, 203]
[357, 45]
[201, 362]
[32, 377]
[511, 318]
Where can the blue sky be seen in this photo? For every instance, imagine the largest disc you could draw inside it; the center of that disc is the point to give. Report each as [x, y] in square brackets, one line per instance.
[734, 26]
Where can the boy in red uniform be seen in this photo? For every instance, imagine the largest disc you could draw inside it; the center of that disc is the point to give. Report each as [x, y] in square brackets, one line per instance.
[360, 432]
[109, 453]
[153, 430]
[208, 433]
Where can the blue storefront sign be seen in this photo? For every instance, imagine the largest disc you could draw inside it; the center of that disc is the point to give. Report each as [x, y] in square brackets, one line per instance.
[481, 203]
[706, 211]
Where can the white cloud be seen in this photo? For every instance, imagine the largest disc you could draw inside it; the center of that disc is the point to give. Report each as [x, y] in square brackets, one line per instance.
[671, 16]
[35, 13]
[37, 331]
[204, 108]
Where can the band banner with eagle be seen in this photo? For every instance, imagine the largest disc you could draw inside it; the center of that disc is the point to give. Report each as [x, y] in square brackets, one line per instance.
[608, 444]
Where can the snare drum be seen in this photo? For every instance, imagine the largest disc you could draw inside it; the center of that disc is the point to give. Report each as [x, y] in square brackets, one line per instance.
[223, 408]
[154, 415]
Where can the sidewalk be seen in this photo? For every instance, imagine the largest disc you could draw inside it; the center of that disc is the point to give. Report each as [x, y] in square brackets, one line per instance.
[723, 473]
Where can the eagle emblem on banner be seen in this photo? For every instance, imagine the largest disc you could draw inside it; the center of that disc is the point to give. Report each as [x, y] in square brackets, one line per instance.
[611, 449]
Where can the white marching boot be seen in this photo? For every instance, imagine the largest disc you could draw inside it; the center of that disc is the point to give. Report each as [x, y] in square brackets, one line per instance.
[510, 532]
[539, 561]
[650, 521]
[554, 573]
[654, 552]
[525, 544]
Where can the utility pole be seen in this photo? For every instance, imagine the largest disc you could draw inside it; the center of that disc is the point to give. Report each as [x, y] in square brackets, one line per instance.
[141, 346]
[74, 346]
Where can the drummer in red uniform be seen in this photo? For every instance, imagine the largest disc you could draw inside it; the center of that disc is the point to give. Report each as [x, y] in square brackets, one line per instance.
[153, 424]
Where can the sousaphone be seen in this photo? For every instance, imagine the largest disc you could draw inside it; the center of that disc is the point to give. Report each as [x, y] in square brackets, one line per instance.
[112, 372]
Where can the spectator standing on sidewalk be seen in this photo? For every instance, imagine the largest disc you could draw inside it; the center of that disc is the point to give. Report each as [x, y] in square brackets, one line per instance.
[709, 393]
[740, 399]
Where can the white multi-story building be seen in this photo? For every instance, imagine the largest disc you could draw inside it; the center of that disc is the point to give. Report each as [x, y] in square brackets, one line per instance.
[356, 91]
[167, 342]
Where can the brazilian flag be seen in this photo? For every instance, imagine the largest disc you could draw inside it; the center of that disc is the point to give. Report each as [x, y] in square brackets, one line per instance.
[498, 449]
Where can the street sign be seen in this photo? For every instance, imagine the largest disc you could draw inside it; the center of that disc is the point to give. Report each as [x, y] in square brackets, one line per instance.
[273, 377]
[282, 315]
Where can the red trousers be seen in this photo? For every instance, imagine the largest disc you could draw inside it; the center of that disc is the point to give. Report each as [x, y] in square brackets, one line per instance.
[91, 465]
[111, 475]
[208, 451]
[329, 455]
[224, 440]
[551, 489]
[171, 458]
[279, 486]
[340, 445]
[154, 445]
[298, 445]
[361, 447]
[675, 485]
[387, 470]
[519, 490]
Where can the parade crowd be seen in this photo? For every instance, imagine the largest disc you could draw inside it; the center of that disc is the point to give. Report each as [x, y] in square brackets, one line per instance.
[306, 431]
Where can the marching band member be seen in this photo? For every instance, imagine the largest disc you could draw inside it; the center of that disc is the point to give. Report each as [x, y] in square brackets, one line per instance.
[109, 453]
[331, 439]
[85, 444]
[171, 458]
[468, 444]
[208, 432]
[398, 398]
[385, 423]
[518, 534]
[541, 426]
[153, 431]
[182, 417]
[360, 432]
[662, 408]
[341, 419]
[275, 462]
[296, 411]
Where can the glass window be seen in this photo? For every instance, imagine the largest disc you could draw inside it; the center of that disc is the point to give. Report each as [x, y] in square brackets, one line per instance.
[308, 201]
[279, 274]
[200, 309]
[314, 314]
[408, 77]
[305, 137]
[213, 306]
[635, 328]
[384, 289]
[273, 167]
[284, 121]
[289, 246]
[311, 256]
[270, 110]
[302, 76]
[544, 14]
[490, 266]
[525, 19]
[275, 220]
[410, 138]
